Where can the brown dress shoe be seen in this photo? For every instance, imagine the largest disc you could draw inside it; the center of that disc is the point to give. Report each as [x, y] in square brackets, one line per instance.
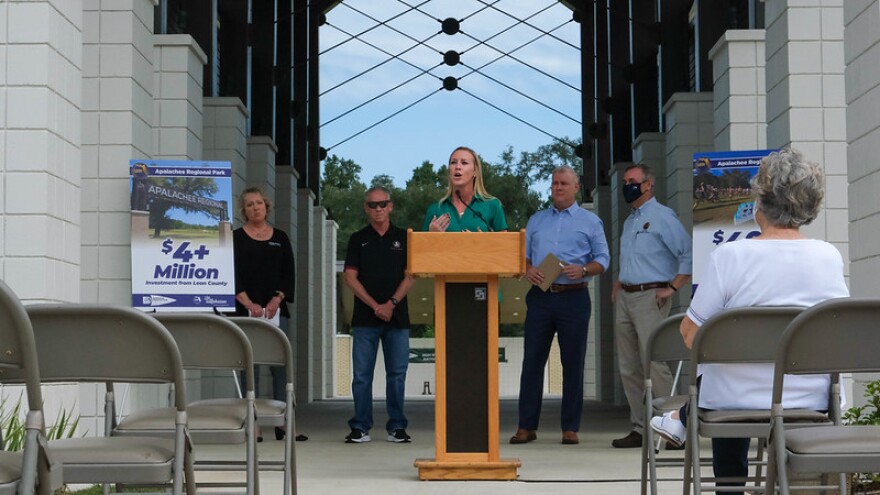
[523, 436]
[631, 441]
[570, 438]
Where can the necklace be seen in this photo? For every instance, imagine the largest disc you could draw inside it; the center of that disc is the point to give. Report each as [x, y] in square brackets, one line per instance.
[262, 233]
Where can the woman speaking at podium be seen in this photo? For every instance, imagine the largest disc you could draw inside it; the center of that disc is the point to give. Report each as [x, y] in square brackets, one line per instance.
[466, 206]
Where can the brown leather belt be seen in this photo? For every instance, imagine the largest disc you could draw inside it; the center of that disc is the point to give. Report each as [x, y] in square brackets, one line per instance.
[565, 287]
[643, 287]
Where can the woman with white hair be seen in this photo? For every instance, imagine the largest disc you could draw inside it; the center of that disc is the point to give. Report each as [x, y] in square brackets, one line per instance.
[780, 267]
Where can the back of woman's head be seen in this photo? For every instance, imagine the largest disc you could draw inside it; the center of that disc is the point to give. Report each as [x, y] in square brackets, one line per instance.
[789, 189]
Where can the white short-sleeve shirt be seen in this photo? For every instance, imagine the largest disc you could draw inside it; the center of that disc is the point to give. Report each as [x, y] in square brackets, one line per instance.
[772, 272]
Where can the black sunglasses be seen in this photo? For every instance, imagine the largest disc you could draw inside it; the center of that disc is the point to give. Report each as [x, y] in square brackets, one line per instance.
[374, 205]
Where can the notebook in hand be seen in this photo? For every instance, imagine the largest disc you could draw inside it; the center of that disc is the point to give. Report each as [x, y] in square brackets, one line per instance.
[551, 267]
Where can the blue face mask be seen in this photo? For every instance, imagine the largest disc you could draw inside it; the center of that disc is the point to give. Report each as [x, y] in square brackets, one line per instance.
[632, 192]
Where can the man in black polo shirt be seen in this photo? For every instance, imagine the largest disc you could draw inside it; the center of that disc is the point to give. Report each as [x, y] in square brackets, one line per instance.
[375, 267]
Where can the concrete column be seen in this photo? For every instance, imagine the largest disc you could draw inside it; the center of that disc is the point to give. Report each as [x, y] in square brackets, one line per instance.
[305, 295]
[225, 121]
[806, 100]
[286, 218]
[600, 367]
[317, 302]
[117, 122]
[177, 106]
[40, 148]
[689, 129]
[862, 50]
[261, 151]
[328, 312]
[739, 92]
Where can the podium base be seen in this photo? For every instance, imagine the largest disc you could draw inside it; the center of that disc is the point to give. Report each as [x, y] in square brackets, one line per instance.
[501, 470]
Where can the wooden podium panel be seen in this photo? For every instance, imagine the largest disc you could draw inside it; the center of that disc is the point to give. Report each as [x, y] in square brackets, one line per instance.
[466, 267]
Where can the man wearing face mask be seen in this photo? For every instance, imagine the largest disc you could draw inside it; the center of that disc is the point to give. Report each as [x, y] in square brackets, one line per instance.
[655, 262]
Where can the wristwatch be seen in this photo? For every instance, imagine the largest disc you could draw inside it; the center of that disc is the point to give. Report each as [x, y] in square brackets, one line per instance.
[280, 294]
[586, 273]
[394, 301]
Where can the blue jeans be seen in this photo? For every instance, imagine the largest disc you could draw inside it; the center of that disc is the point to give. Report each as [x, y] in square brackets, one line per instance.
[395, 349]
[566, 314]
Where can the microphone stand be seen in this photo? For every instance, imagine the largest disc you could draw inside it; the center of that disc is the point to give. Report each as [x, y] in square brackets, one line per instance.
[475, 212]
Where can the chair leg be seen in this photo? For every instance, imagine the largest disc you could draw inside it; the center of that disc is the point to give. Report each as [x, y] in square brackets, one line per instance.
[686, 482]
[759, 458]
[693, 439]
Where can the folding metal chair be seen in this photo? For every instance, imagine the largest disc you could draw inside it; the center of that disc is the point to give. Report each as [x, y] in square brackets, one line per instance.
[33, 470]
[90, 343]
[742, 335]
[207, 341]
[836, 336]
[271, 347]
[664, 344]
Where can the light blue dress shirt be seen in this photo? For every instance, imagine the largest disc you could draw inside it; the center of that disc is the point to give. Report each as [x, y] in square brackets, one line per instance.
[574, 235]
[654, 247]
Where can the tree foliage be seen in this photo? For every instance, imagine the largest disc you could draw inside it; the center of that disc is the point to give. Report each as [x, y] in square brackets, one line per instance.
[159, 207]
[515, 179]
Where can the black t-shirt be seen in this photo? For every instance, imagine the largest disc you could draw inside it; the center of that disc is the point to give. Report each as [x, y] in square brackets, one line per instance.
[381, 265]
[263, 267]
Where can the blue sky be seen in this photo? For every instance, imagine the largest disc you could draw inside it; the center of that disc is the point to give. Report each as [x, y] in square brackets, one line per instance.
[431, 129]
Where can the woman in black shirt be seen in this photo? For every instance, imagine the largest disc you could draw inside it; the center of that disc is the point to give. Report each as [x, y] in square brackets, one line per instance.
[264, 273]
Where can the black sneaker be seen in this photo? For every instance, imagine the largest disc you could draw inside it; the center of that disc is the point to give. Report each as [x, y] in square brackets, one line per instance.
[399, 436]
[357, 436]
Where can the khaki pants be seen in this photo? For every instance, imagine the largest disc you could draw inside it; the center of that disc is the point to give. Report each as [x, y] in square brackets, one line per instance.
[636, 316]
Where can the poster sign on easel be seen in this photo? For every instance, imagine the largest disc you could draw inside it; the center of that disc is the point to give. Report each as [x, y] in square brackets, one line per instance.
[724, 209]
[181, 235]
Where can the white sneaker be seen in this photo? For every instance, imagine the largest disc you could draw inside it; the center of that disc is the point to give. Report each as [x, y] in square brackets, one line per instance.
[672, 430]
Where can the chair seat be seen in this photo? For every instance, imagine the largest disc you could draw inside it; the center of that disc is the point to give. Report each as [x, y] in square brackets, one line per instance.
[207, 424]
[115, 459]
[10, 472]
[269, 411]
[853, 439]
[10, 468]
[759, 416]
[669, 403]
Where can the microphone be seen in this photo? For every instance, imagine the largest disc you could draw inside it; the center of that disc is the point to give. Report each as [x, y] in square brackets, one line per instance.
[475, 212]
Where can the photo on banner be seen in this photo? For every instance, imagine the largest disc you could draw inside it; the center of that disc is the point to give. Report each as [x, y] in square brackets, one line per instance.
[724, 208]
[181, 235]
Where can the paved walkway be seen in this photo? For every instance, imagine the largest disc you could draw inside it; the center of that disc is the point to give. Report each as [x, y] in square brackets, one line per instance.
[327, 465]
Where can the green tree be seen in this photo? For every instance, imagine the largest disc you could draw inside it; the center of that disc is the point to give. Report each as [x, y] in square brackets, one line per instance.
[159, 207]
[342, 194]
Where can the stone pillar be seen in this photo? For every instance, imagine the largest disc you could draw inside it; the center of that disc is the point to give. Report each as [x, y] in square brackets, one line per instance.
[177, 107]
[225, 121]
[316, 303]
[261, 152]
[689, 129]
[305, 295]
[806, 101]
[329, 307]
[117, 122]
[286, 218]
[863, 138]
[739, 91]
[40, 148]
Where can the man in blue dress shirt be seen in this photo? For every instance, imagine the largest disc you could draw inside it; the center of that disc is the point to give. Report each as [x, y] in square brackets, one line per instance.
[576, 237]
[655, 261]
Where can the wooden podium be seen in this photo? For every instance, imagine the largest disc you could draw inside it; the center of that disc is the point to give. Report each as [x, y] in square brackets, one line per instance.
[466, 267]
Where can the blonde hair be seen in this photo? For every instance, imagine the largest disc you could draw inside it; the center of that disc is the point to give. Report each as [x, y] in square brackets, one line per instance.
[253, 190]
[479, 187]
